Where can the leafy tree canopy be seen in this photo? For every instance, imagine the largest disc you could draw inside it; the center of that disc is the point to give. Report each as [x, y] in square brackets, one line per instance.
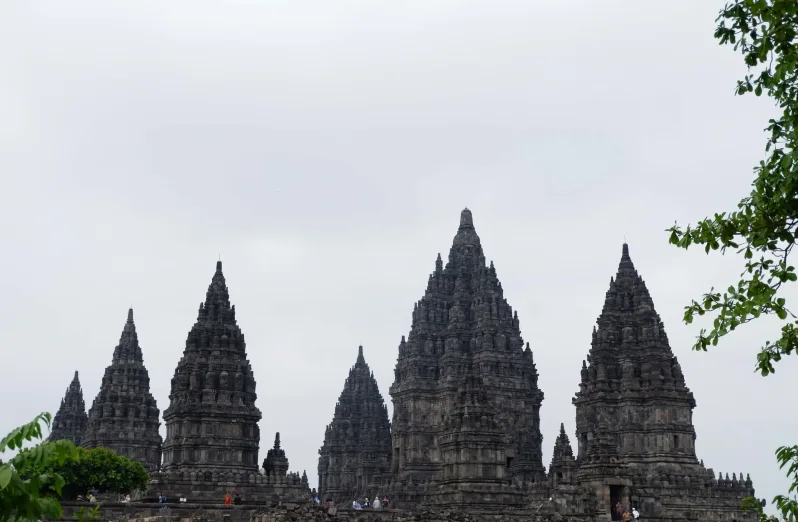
[22, 497]
[764, 228]
[98, 470]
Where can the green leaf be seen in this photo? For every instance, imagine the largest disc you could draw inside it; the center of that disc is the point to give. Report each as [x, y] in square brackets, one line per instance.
[5, 475]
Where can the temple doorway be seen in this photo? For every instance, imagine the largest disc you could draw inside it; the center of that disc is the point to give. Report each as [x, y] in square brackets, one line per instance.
[616, 495]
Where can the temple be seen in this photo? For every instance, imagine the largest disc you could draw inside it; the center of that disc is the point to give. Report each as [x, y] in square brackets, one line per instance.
[634, 417]
[465, 434]
[563, 462]
[124, 416]
[212, 433]
[356, 453]
[466, 419]
[70, 420]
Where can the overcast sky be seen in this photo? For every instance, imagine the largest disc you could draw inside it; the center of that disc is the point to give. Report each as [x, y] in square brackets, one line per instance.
[324, 149]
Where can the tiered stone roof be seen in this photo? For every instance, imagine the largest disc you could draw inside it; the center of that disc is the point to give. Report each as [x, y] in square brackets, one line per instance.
[70, 420]
[634, 411]
[562, 460]
[124, 416]
[357, 443]
[463, 327]
[212, 420]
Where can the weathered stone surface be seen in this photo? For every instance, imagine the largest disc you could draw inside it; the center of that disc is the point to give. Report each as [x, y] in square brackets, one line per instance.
[124, 416]
[634, 417]
[563, 463]
[276, 463]
[356, 451]
[464, 331]
[212, 420]
[70, 420]
[212, 432]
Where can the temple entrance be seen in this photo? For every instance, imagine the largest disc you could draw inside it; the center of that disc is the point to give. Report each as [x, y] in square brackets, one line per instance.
[616, 495]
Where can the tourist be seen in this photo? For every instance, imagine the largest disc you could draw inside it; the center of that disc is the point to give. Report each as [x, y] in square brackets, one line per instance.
[626, 516]
[377, 504]
[161, 498]
[635, 513]
[92, 498]
[237, 500]
[228, 501]
[619, 510]
[385, 502]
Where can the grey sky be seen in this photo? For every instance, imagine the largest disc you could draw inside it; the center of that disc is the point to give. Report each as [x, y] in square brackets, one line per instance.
[325, 149]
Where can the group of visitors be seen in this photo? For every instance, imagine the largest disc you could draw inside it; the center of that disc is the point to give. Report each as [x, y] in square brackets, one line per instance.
[377, 504]
[626, 514]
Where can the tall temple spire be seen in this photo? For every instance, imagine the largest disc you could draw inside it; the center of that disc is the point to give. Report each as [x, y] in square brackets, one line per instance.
[213, 391]
[124, 416]
[464, 327]
[634, 412]
[357, 443]
[70, 420]
[630, 357]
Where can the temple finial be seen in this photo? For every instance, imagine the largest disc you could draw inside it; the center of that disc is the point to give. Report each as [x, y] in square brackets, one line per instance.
[466, 219]
[130, 316]
[219, 265]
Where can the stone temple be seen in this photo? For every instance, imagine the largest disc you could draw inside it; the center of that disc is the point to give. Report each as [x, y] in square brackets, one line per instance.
[357, 443]
[212, 433]
[70, 421]
[465, 433]
[466, 397]
[634, 416]
[466, 430]
[124, 416]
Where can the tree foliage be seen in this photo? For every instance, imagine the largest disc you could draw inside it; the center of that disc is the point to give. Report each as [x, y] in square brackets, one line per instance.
[764, 227]
[25, 496]
[99, 470]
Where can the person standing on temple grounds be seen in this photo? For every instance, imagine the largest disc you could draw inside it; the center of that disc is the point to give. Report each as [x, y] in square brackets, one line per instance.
[635, 513]
[227, 500]
[618, 511]
[377, 504]
[237, 500]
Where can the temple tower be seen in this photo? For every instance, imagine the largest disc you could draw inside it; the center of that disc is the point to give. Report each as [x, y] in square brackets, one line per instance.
[276, 463]
[634, 415]
[212, 434]
[70, 421]
[357, 443]
[464, 331]
[124, 416]
[563, 463]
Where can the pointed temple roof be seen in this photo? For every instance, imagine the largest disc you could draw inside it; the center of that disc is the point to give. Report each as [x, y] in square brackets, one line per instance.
[70, 421]
[124, 416]
[358, 440]
[629, 330]
[463, 326]
[631, 368]
[213, 387]
[562, 446]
